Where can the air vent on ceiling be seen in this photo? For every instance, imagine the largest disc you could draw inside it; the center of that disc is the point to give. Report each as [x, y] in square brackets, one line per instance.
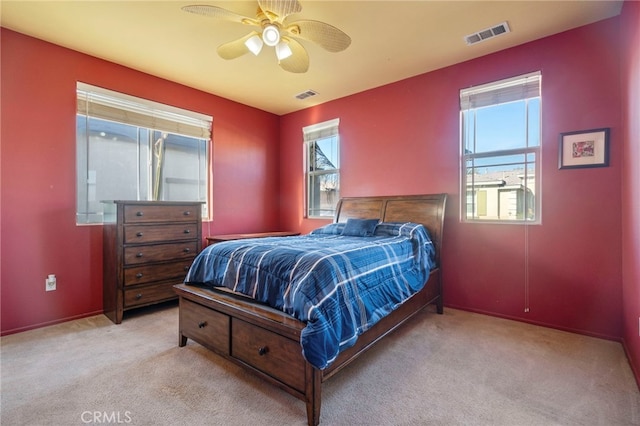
[487, 33]
[307, 94]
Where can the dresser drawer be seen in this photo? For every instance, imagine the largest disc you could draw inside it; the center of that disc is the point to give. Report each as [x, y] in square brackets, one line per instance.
[164, 271]
[268, 352]
[134, 213]
[149, 294]
[160, 252]
[208, 327]
[155, 233]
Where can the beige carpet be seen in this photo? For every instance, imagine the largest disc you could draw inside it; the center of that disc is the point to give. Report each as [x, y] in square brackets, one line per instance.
[453, 369]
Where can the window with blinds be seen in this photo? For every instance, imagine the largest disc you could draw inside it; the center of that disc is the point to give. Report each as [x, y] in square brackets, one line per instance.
[500, 150]
[134, 149]
[322, 168]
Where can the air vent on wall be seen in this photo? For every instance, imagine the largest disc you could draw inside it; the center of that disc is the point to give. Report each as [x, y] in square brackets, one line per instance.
[305, 95]
[487, 33]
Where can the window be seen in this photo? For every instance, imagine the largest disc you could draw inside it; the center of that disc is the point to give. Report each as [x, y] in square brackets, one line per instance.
[500, 150]
[134, 149]
[322, 165]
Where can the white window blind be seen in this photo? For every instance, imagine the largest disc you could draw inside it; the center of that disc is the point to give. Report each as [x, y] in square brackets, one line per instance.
[108, 105]
[509, 90]
[321, 130]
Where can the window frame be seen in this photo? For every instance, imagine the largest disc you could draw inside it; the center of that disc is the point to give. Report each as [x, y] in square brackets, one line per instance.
[312, 134]
[516, 89]
[148, 117]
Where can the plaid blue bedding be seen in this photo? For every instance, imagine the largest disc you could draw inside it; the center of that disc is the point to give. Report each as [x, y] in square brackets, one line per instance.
[338, 285]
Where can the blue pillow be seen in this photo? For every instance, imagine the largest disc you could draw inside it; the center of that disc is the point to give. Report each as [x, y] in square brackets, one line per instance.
[330, 229]
[360, 227]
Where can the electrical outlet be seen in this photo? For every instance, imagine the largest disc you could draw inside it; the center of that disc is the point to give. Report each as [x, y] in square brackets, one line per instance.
[50, 283]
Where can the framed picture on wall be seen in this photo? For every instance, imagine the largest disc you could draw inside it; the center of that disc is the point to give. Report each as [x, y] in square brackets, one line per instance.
[584, 148]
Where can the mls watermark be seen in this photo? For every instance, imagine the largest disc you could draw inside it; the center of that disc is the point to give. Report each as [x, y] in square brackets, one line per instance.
[106, 417]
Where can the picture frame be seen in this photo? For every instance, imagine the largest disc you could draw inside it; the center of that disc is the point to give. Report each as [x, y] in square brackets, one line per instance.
[584, 148]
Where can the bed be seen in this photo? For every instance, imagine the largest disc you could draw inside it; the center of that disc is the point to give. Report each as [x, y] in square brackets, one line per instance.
[273, 343]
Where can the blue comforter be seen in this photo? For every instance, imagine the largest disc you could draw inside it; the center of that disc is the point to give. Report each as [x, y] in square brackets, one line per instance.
[338, 285]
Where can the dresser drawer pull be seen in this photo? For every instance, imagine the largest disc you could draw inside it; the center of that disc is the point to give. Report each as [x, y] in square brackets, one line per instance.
[139, 214]
[262, 350]
[139, 234]
[202, 324]
[138, 254]
[139, 275]
[138, 296]
[187, 250]
[187, 213]
[187, 231]
[186, 268]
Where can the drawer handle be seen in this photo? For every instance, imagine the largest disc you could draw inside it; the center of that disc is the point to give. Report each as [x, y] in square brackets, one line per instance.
[139, 234]
[139, 214]
[187, 250]
[138, 296]
[186, 268]
[262, 350]
[138, 254]
[187, 213]
[187, 231]
[139, 275]
[202, 324]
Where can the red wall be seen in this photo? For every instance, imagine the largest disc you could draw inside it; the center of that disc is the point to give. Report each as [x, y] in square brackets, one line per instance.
[630, 88]
[403, 138]
[39, 235]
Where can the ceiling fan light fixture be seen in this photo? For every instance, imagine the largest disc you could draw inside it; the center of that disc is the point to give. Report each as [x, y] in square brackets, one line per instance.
[273, 27]
[254, 44]
[271, 35]
[283, 51]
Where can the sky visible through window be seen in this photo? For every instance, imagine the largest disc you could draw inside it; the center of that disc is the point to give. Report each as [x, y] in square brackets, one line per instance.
[502, 127]
[327, 148]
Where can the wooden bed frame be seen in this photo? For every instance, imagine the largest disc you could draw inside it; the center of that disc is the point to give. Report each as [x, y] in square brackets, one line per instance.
[267, 341]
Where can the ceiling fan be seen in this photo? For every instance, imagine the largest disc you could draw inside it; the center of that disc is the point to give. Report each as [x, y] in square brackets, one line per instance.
[275, 30]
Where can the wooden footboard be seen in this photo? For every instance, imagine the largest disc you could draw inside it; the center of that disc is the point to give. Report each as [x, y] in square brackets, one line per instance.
[267, 341]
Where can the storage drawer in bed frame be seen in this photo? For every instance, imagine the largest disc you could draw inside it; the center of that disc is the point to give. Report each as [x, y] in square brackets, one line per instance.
[206, 326]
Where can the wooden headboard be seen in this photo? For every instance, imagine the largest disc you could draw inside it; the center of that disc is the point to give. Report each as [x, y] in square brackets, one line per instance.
[427, 209]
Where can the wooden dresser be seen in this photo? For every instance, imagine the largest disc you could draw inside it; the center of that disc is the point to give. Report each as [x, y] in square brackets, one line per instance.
[148, 246]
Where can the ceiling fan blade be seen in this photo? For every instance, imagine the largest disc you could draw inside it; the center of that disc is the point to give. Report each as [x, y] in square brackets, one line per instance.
[277, 10]
[235, 49]
[298, 62]
[220, 13]
[325, 35]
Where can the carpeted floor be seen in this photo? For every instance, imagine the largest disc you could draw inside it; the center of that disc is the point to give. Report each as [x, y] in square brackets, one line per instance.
[458, 368]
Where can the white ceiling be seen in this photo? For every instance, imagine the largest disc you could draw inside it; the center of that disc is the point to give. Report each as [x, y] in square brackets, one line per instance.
[391, 40]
